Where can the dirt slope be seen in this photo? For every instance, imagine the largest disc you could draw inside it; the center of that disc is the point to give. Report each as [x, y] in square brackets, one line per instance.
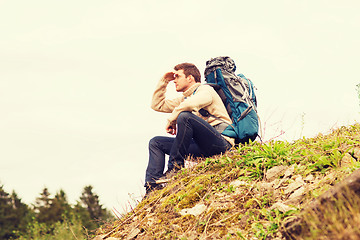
[249, 193]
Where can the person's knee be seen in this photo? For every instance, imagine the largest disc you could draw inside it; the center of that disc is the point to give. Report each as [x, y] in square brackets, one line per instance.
[184, 116]
[154, 142]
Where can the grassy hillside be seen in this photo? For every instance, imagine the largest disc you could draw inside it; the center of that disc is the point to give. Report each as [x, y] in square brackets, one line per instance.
[250, 192]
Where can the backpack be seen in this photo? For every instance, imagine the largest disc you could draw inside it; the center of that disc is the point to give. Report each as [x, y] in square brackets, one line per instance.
[237, 94]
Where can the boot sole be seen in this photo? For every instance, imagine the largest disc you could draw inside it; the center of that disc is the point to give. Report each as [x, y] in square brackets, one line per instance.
[160, 181]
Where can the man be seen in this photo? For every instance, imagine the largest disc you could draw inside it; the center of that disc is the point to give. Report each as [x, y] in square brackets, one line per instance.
[196, 135]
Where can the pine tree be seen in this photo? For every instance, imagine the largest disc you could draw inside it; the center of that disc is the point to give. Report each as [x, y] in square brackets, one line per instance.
[59, 207]
[90, 201]
[23, 214]
[14, 215]
[6, 227]
[42, 206]
[51, 210]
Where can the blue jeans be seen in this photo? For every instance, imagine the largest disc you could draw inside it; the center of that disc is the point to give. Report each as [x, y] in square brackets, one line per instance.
[195, 137]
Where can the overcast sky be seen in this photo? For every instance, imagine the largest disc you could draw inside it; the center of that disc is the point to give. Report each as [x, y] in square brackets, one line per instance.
[76, 80]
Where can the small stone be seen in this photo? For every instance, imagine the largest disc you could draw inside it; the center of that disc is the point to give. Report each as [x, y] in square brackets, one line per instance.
[196, 210]
[346, 160]
[275, 172]
[278, 182]
[296, 196]
[299, 182]
[329, 179]
[282, 207]
[299, 178]
[265, 185]
[309, 178]
[132, 235]
[357, 153]
[290, 171]
[238, 183]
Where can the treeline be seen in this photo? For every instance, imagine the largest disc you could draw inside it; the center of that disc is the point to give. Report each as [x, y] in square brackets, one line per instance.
[51, 217]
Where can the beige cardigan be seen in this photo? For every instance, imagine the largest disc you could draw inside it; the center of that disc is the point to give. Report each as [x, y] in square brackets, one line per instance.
[195, 98]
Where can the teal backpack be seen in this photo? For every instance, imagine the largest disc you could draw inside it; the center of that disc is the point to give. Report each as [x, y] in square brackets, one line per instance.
[237, 94]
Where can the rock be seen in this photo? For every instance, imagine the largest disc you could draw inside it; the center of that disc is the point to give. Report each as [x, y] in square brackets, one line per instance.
[299, 182]
[238, 183]
[356, 152]
[265, 186]
[290, 171]
[296, 196]
[346, 160]
[132, 235]
[196, 210]
[282, 207]
[100, 237]
[275, 172]
[329, 179]
[309, 178]
[278, 182]
[269, 186]
[112, 238]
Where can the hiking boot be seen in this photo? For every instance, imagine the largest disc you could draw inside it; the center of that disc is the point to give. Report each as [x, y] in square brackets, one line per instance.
[150, 187]
[168, 175]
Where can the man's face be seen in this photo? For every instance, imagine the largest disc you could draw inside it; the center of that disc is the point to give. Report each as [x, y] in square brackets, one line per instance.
[182, 83]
